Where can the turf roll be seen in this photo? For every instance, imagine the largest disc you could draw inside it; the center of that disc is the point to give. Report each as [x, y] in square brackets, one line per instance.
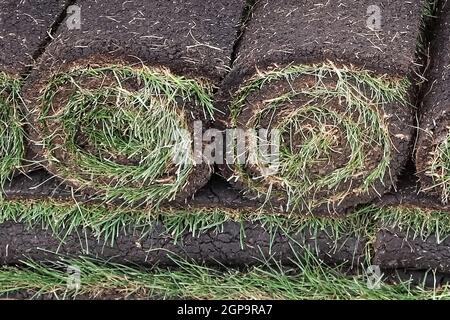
[334, 93]
[112, 106]
[433, 145]
[23, 31]
[45, 230]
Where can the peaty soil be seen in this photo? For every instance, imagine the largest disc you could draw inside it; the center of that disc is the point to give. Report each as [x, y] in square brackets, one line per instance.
[395, 249]
[24, 28]
[303, 32]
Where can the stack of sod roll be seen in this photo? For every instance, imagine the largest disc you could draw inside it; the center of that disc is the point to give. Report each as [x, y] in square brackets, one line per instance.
[416, 234]
[107, 98]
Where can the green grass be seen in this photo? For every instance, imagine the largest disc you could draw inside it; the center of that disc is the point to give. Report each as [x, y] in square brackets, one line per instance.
[309, 279]
[361, 123]
[11, 134]
[126, 137]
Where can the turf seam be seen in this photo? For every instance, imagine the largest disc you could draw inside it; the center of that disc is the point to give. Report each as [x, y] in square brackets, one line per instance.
[245, 19]
[431, 150]
[48, 38]
[429, 23]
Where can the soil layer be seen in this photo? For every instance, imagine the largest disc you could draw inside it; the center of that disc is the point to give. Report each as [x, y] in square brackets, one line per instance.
[395, 249]
[303, 32]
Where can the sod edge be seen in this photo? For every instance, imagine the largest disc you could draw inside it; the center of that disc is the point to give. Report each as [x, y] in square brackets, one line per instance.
[107, 222]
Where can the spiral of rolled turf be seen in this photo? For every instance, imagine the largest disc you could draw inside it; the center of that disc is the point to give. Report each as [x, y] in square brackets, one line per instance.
[339, 129]
[122, 132]
[11, 134]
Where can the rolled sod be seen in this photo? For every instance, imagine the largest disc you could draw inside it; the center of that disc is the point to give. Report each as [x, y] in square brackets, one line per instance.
[41, 231]
[337, 92]
[23, 31]
[112, 105]
[413, 238]
[433, 145]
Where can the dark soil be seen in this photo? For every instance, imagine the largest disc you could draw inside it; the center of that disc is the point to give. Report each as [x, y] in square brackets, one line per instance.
[24, 27]
[190, 38]
[395, 249]
[38, 184]
[434, 121]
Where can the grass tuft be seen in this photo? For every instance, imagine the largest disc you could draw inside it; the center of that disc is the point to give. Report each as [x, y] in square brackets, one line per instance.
[11, 133]
[429, 15]
[439, 170]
